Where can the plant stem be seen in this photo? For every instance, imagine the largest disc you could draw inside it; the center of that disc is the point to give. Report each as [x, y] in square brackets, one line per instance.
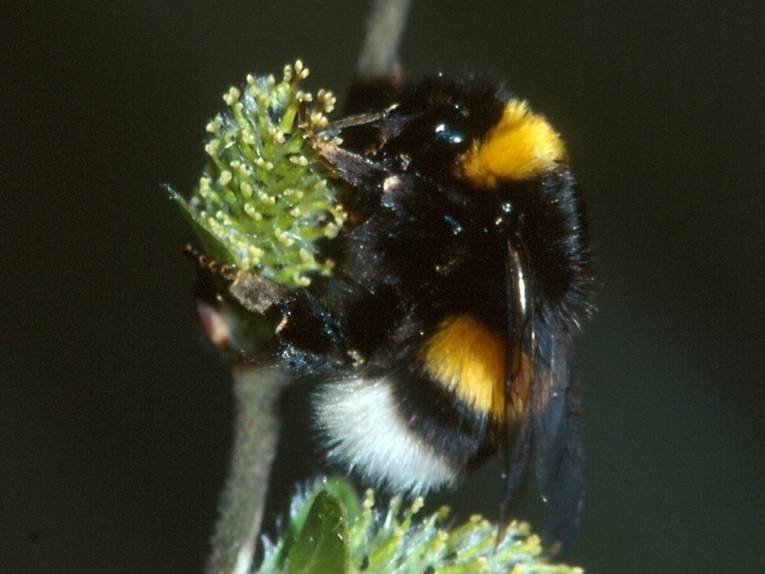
[257, 390]
[379, 54]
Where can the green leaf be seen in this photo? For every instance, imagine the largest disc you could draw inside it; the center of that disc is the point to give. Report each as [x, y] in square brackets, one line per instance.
[322, 546]
[211, 245]
[343, 490]
[338, 487]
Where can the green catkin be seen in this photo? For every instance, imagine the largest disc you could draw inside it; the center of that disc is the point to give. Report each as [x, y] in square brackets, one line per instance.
[400, 540]
[262, 199]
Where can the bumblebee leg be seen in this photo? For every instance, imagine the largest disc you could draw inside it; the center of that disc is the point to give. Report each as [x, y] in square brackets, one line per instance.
[254, 319]
[307, 337]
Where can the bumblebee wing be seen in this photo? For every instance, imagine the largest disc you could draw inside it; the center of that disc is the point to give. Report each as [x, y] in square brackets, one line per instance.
[353, 168]
[364, 119]
[519, 379]
[518, 433]
[559, 454]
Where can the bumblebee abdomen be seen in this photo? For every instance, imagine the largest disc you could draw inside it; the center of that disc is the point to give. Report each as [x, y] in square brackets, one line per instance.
[421, 422]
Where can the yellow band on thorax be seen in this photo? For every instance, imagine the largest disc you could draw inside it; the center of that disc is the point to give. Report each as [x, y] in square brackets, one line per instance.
[520, 146]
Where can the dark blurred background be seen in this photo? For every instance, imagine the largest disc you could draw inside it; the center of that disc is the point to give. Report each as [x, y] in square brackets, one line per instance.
[115, 418]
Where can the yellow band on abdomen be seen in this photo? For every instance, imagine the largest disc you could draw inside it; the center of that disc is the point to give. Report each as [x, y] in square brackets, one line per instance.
[468, 358]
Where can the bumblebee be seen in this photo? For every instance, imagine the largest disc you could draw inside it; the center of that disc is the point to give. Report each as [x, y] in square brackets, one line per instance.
[444, 333]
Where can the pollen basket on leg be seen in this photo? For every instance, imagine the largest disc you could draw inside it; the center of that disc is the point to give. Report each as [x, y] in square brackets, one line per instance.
[468, 358]
[520, 146]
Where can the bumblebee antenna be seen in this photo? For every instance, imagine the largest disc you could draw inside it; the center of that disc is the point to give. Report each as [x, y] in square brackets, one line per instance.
[227, 272]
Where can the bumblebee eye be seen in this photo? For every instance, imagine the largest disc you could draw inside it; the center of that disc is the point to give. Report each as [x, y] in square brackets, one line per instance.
[454, 225]
[432, 139]
[448, 135]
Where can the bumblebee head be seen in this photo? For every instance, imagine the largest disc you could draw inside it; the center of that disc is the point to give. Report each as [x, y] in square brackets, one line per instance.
[438, 120]
[471, 130]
